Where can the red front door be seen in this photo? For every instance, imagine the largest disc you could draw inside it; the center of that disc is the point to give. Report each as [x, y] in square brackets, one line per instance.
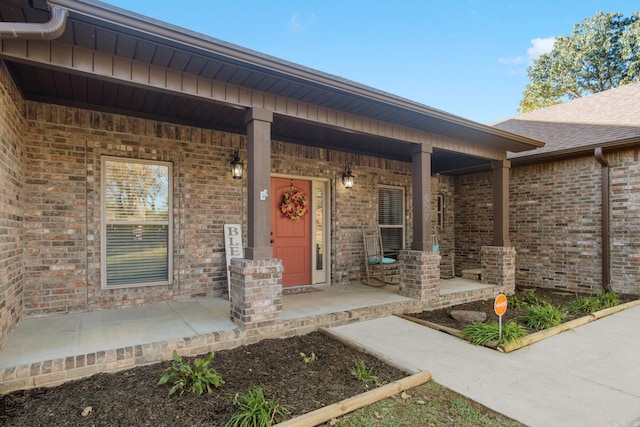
[291, 239]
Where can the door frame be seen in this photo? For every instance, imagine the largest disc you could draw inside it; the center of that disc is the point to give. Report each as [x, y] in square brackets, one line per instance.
[321, 277]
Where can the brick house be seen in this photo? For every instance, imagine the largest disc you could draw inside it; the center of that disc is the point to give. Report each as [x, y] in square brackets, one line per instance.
[117, 133]
[582, 185]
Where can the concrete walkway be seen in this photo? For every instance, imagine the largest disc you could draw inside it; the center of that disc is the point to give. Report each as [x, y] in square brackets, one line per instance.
[586, 377]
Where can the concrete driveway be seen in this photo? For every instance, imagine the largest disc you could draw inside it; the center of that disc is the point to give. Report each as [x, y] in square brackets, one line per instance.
[589, 376]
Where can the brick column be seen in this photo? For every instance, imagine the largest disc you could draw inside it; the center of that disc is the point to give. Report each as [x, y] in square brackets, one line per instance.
[499, 267]
[420, 276]
[256, 292]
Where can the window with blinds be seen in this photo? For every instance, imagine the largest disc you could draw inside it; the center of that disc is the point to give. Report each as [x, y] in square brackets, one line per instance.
[137, 222]
[391, 219]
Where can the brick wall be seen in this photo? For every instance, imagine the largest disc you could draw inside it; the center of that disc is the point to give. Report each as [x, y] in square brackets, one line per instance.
[555, 222]
[64, 147]
[473, 227]
[444, 186]
[625, 221]
[11, 204]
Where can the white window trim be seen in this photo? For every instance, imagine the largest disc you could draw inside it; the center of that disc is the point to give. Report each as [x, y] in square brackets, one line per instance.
[402, 212]
[103, 223]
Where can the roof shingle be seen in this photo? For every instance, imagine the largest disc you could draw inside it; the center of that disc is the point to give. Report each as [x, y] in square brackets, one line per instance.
[599, 119]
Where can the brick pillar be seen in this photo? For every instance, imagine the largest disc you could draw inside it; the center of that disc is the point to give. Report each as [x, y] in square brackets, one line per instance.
[256, 292]
[420, 276]
[499, 267]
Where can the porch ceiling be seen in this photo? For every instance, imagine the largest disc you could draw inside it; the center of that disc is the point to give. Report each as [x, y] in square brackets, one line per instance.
[103, 28]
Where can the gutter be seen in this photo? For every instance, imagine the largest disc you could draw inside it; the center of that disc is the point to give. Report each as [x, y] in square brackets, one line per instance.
[29, 31]
[606, 253]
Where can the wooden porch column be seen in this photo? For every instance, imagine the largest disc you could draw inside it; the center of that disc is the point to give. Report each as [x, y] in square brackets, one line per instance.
[258, 123]
[422, 232]
[501, 202]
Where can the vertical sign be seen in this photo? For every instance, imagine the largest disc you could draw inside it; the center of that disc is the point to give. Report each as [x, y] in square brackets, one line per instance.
[233, 247]
[500, 307]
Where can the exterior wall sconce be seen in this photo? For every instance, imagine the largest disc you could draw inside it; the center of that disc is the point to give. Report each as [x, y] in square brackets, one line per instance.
[347, 178]
[236, 166]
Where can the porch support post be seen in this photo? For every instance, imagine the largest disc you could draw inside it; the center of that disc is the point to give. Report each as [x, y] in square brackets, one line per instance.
[422, 230]
[499, 268]
[420, 276]
[501, 202]
[258, 123]
[256, 293]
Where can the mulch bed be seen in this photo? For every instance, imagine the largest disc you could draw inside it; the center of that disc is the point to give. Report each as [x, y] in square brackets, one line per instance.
[555, 297]
[133, 397]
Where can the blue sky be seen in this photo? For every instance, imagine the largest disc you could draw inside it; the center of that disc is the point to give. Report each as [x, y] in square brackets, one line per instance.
[466, 57]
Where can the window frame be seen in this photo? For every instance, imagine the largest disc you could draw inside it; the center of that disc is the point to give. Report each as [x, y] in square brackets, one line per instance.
[402, 225]
[440, 211]
[104, 223]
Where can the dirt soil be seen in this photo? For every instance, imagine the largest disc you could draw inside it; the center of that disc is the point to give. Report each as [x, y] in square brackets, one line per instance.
[133, 397]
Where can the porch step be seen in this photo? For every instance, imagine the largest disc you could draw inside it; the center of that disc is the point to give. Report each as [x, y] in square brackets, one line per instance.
[472, 273]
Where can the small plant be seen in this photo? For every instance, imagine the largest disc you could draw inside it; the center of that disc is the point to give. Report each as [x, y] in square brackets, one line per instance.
[255, 410]
[527, 299]
[607, 300]
[308, 359]
[514, 302]
[362, 373]
[541, 317]
[196, 380]
[582, 305]
[479, 333]
[590, 304]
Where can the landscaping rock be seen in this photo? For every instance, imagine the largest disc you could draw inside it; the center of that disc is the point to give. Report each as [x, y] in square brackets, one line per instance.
[468, 316]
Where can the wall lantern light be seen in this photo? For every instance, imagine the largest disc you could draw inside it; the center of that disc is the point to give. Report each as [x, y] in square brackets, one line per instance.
[347, 178]
[236, 166]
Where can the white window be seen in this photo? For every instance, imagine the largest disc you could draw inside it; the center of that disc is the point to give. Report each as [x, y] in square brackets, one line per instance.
[440, 208]
[391, 219]
[136, 222]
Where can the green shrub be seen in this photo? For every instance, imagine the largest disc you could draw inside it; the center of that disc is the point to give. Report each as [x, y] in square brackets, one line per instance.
[479, 333]
[528, 298]
[362, 373]
[590, 304]
[197, 379]
[541, 317]
[607, 300]
[255, 410]
[582, 305]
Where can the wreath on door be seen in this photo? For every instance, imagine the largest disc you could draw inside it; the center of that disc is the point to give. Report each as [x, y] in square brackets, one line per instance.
[294, 204]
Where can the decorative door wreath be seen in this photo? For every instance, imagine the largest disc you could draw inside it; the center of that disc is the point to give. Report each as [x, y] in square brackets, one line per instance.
[294, 204]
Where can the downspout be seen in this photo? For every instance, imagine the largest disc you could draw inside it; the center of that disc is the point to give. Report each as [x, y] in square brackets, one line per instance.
[31, 31]
[606, 255]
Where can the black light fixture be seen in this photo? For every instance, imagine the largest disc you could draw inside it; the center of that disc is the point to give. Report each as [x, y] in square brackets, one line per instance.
[236, 166]
[347, 177]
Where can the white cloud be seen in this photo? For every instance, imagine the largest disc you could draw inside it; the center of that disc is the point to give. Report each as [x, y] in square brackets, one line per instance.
[511, 61]
[297, 24]
[539, 47]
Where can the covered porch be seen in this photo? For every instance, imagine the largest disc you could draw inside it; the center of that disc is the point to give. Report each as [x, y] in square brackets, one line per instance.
[46, 351]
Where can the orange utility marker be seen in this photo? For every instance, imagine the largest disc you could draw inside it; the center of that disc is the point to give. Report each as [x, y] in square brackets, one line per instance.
[500, 307]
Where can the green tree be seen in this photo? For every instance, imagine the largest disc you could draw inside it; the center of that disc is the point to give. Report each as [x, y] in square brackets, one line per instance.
[602, 52]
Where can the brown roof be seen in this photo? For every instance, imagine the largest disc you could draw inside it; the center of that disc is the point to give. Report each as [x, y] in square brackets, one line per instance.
[603, 119]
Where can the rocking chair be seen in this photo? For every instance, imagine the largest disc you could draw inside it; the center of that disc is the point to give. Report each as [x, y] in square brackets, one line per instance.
[378, 267]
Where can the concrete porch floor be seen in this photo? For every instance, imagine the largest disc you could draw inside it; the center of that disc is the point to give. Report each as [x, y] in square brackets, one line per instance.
[60, 347]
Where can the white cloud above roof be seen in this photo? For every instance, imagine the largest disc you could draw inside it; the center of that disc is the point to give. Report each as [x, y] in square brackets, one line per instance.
[298, 24]
[539, 47]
